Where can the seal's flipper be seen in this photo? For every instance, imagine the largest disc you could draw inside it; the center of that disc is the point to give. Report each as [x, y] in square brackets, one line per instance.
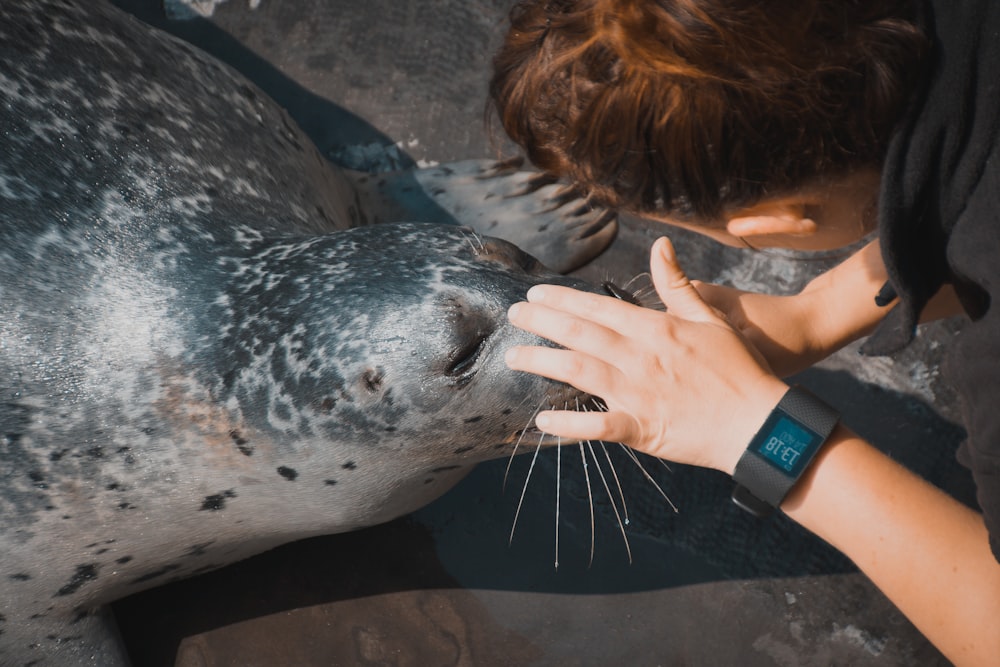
[527, 208]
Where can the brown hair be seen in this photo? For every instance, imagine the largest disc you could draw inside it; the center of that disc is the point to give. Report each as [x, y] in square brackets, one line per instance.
[693, 107]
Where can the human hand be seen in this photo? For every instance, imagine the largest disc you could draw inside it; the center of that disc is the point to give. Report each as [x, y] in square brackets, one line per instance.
[782, 328]
[682, 385]
[794, 332]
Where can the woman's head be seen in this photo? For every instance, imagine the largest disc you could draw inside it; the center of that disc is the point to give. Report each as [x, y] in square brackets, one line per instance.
[692, 108]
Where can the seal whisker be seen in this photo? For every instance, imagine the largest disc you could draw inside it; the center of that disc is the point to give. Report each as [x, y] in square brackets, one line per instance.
[524, 489]
[520, 404]
[476, 236]
[523, 400]
[644, 296]
[558, 476]
[618, 484]
[590, 501]
[611, 465]
[471, 236]
[629, 283]
[517, 444]
[607, 489]
[649, 298]
[664, 464]
[642, 468]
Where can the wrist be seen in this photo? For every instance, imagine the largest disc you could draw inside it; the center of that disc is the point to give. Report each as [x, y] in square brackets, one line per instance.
[748, 418]
[781, 451]
[840, 306]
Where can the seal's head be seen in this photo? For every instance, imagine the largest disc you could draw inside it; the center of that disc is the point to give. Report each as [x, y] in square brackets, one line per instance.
[397, 331]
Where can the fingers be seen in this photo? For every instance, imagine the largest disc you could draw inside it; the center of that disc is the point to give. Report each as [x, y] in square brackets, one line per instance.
[582, 332]
[711, 293]
[606, 426]
[601, 309]
[672, 284]
[586, 373]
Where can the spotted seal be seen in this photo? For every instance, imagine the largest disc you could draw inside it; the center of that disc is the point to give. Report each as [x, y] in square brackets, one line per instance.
[204, 353]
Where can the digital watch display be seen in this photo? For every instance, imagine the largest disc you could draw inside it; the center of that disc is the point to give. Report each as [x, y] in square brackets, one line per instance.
[781, 450]
[786, 444]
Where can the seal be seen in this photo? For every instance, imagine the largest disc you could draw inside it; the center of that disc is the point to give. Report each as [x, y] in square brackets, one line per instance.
[204, 352]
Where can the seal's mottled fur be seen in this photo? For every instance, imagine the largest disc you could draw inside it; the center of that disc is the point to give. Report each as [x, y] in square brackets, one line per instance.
[201, 356]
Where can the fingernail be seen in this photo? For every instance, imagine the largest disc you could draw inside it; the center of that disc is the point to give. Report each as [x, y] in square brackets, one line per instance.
[510, 356]
[513, 311]
[537, 294]
[543, 421]
[666, 250]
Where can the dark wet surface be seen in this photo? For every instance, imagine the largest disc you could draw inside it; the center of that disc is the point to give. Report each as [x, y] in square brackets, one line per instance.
[391, 83]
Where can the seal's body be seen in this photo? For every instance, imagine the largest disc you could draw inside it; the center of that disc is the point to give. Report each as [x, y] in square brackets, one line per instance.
[201, 355]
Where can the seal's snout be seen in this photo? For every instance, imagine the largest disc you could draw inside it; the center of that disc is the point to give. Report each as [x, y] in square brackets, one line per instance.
[567, 397]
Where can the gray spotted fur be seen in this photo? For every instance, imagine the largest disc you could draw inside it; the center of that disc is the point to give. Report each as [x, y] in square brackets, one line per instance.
[201, 355]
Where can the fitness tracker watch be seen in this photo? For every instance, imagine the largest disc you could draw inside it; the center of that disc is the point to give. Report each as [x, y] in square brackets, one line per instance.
[781, 451]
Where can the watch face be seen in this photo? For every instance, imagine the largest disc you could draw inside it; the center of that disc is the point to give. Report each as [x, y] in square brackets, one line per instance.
[786, 444]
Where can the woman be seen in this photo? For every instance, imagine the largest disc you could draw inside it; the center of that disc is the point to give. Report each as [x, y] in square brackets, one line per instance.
[798, 124]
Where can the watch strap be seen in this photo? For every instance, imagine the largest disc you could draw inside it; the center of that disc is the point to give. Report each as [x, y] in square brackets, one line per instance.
[762, 485]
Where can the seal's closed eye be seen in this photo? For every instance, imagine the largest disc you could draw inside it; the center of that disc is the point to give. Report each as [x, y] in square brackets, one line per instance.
[467, 356]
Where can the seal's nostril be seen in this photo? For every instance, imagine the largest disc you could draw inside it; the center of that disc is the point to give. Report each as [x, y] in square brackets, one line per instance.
[619, 292]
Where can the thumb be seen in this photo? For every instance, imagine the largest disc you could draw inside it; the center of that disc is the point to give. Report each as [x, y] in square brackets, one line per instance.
[672, 284]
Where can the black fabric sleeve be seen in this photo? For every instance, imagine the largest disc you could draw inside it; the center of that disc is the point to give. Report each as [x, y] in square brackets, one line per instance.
[940, 222]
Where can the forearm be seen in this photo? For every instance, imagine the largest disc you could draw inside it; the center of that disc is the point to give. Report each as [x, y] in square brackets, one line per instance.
[928, 553]
[835, 309]
[796, 331]
[846, 307]
[842, 300]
